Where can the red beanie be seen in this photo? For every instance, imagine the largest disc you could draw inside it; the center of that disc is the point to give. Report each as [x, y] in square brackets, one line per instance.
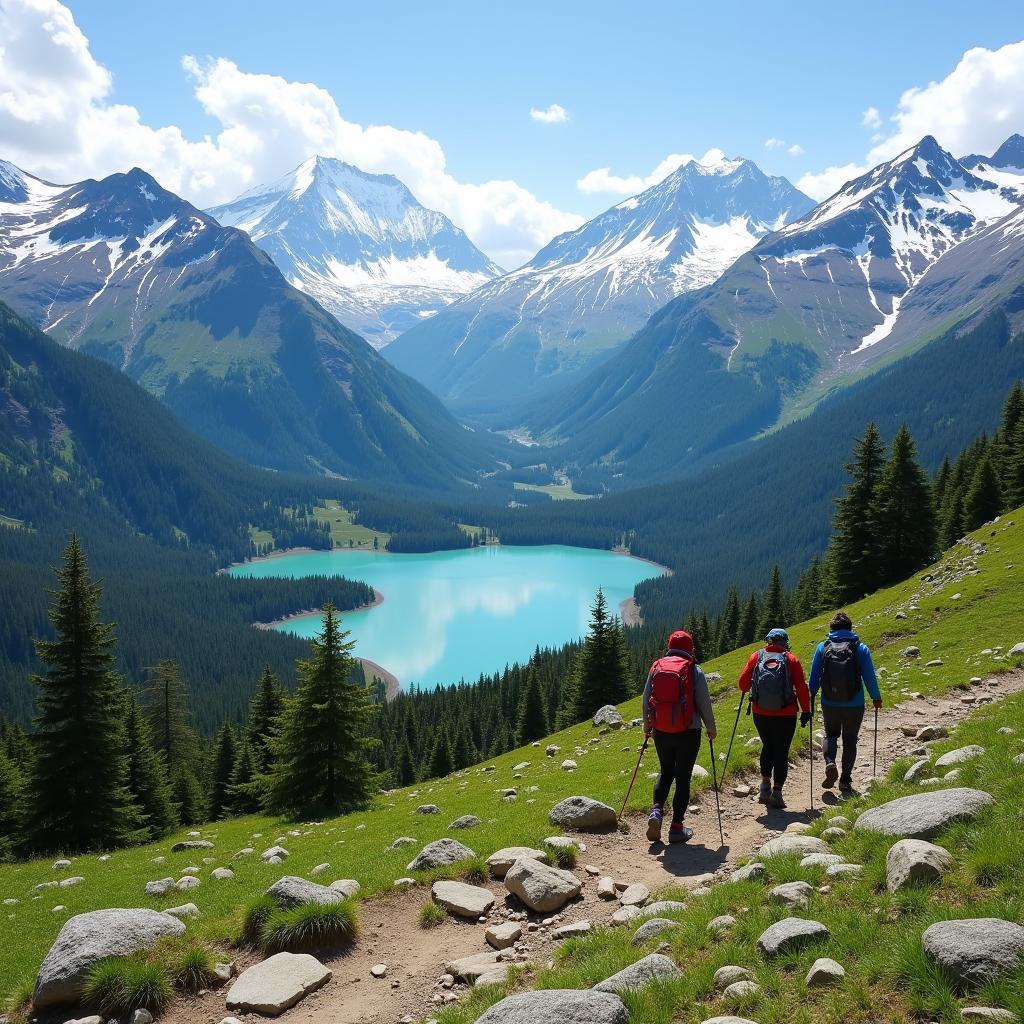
[680, 640]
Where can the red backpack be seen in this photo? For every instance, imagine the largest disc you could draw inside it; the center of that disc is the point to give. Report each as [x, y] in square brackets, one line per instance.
[671, 700]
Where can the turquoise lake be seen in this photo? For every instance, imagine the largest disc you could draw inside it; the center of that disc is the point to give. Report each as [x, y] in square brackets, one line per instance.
[451, 615]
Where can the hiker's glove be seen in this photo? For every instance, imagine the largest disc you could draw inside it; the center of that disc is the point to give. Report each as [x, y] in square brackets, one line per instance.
[877, 703]
[805, 718]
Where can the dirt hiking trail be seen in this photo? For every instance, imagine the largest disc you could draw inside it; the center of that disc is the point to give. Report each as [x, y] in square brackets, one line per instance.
[390, 931]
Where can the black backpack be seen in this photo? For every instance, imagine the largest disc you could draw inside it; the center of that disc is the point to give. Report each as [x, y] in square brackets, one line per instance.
[840, 669]
[770, 688]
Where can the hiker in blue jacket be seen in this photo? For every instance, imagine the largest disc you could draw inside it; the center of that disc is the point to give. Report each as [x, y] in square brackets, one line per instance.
[841, 669]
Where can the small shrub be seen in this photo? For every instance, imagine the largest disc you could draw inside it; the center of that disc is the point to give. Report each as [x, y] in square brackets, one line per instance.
[476, 871]
[118, 986]
[310, 927]
[190, 964]
[564, 857]
[431, 915]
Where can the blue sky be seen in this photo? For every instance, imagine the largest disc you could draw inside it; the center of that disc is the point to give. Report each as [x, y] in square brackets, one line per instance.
[639, 82]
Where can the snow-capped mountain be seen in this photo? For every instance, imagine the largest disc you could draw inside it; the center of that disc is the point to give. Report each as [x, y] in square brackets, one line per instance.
[588, 290]
[895, 258]
[361, 245]
[195, 312]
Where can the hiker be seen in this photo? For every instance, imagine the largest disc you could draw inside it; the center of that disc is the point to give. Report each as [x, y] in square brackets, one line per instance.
[842, 667]
[774, 678]
[676, 701]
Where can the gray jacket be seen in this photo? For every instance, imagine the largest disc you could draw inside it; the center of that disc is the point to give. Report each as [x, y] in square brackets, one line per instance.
[704, 712]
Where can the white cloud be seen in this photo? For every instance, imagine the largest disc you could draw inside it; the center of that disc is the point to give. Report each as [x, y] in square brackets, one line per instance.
[774, 143]
[602, 180]
[555, 114]
[871, 118]
[972, 110]
[795, 150]
[55, 121]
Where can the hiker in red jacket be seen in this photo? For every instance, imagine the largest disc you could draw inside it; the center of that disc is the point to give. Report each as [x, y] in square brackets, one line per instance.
[774, 678]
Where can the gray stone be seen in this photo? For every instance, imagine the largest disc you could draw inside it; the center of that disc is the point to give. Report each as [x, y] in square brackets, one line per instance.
[88, 938]
[500, 861]
[192, 844]
[439, 854]
[540, 886]
[990, 1013]
[960, 755]
[348, 887]
[406, 841]
[659, 907]
[976, 950]
[582, 814]
[844, 871]
[749, 872]
[557, 1006]
[319, 869]
[501, 936]
[277, 984]
[93, 1018]
[222, 873]
[606, 888]
[275, 851]
[821, 860]
[651, 929]
[461, 899]
[788, 843]
[496, 976]
[466, 821]
[792, 895]
[911, 652]
[292, 891]
[721, 924]
[569, 931]
[428, 809]
[67, 883]
[729, 975]
[185, 910]
[652, 968]
[917, 769]
[635, 895]
[924, 815]
[931, 732]
[824, 972]
[625, 915]
[609, 715]
[569, 765]
[159, 887]
[1015, 650]
[469, 968]
[913, 860]
[142, 1016]
[741, 990]
[788, 934]
[727, 1019]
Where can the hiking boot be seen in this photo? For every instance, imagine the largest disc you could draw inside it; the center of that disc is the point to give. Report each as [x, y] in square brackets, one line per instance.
[831, 774]
[763, 793]
[775, 799]
[679, 833]
[654, 825]
[846, 786]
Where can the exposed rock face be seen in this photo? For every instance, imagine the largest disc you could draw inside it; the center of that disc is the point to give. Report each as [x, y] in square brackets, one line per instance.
[656, 967]
[924, 815]
[439, 854]
[88, 938]
[541, 887]
[558, 1006]
[582, 814]
[976, 950]
[914, 860]
[788, 934]
[292, 891]
[276, 984]
[461, 899]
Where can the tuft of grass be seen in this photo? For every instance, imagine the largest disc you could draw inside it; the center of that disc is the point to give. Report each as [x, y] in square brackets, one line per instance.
[190, 964]
[310, 927]
[476, 871]
[256, 916]
[118, 986]
[564, 857]
[18, 1005]
[431, 915]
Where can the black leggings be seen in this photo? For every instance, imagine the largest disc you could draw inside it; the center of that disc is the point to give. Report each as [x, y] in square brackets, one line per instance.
[776, 732]
[677, 752]
[843, 722]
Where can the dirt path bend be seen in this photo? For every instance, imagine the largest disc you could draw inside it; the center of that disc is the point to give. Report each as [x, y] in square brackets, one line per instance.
[391, 934]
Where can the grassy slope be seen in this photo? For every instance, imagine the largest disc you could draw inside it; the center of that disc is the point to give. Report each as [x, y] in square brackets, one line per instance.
[986, 616]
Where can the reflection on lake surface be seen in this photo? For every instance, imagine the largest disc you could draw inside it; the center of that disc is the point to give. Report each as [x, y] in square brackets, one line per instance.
[449, 615]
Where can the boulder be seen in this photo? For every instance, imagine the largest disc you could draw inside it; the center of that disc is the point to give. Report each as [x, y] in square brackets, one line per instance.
[652, 968]
[192, 844]
[540, 886]
[292, 891]
[635, 895]
[276, 984]
[159, 887]
[501, 936]
[428, 809]
[348, 887]
[914, 860]
[931, 732]
[221, 874]
[185, 910]
[583, 814]
[924, 815]
[569, 765]
[824, 972]
[792, 895]
[651, 929]
[788, 934]
[741, 990]
[975, 950]
[88, 938]
[729, 975]
[625, 915]
[609, 715]
[275, 851]
[789, 843]
[439, 854]
[960, 755]
[749, 872]
[500, 861]
[461, 899]
[557, 1006]
[466, 821]
[917, 770]
[469, 968]
[569, 931]
[721, 924]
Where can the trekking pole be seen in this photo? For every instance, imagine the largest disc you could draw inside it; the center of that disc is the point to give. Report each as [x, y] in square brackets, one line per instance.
[735, 726]
[714, 780]
[874, 767]
[810, 744]
[647, 740]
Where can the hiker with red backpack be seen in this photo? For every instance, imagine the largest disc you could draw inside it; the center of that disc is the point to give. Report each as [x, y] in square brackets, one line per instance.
[841, 669]
[774, 678]
[676, 702]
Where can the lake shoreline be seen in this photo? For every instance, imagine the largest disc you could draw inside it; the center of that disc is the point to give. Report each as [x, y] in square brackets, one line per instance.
[378, 599]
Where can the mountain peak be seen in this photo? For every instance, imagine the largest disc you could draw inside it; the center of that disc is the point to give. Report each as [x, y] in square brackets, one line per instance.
[1010, 153]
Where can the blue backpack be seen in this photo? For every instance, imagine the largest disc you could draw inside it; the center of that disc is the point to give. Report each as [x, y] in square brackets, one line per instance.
[770, 688]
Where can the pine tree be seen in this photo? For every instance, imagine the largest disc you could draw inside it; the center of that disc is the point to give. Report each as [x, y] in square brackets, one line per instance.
[1013, 468]
[902, 515]
[853, 562]
[321, 747]
[599, 672]
[984, 499]
[808, 599]
[774, 612]
[441, 762]
[167, 706]
[941, 482]
[11, 806]
[749, 622]
[78, 791]
[225, 755]
[953, 522]
[148, 784]
[463, 752]
[188, 795]
[728, 639]
[405, 769]
[264, 711]
[532, 718]
[244, 792]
